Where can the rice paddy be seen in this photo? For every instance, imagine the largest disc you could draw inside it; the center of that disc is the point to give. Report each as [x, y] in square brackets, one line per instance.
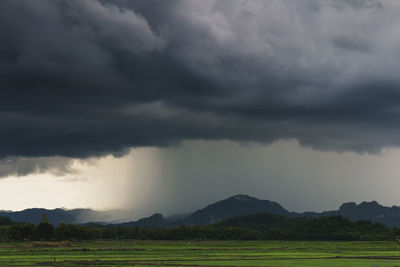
[200, 253]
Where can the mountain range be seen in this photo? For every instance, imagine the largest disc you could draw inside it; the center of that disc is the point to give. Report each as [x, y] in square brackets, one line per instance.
[240, 205]
[234, 206]
[56, 216]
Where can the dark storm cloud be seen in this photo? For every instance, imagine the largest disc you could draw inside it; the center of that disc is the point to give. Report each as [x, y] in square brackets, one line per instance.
[89, 78]
[17, 166]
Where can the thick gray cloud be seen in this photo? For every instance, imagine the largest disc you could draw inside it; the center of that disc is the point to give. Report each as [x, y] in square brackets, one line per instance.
[89, 78]
[17, 166]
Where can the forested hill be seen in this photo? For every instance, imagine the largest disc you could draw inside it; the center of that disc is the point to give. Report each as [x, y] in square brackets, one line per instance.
[305, 228]
[56, 216]
[245, 205]
[371, 211]
[232, 207]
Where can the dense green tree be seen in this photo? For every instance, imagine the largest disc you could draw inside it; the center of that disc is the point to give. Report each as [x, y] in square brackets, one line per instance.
[43, 231]
[5, 221]
[20, 231]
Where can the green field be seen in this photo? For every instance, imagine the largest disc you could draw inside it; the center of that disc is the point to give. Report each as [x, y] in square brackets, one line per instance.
[197, 253]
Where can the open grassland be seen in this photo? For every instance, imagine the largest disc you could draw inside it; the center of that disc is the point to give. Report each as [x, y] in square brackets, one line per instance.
[197, 253]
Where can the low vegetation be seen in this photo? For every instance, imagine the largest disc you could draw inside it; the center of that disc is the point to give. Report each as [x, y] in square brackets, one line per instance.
[43, 244]
[201, 253]
[261, 226]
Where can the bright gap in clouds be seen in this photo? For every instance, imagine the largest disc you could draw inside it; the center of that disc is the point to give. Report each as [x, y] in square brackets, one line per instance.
[188, 177]
[96, 183]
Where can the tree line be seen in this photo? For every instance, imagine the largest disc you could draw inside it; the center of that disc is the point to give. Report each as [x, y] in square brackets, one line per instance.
[253, 227]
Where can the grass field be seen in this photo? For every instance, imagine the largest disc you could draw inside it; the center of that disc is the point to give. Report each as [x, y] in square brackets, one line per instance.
[229, 253]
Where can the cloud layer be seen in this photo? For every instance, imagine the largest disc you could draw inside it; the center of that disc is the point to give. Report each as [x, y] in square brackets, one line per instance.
[90, 78]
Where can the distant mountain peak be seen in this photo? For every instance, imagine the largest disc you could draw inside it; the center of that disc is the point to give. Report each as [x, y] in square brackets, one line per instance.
[362, 205]
[156, 220]
[236, 205]
[157, 216]
[371, 204]
[242, 197]
[348, 206]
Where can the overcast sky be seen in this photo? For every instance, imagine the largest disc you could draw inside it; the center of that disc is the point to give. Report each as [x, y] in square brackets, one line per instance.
[168, 105]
